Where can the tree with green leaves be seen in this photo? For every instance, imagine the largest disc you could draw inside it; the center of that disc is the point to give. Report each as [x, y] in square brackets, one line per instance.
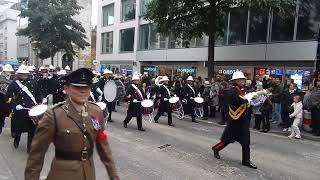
[194, 18]
[52, 28]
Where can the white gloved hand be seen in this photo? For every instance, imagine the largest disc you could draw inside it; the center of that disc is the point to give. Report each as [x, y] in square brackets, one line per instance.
[19, 107]
[44, 101]
[165, 99]
[191, 98]
[100, 98]
[135, 101]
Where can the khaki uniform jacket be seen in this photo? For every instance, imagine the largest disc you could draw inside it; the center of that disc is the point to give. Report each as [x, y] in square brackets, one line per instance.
[67, 136]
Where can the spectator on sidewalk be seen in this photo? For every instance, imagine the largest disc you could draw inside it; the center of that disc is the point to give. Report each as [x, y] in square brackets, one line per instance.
[256, 104]
[276, 99]
[315, 109]
[222, 102]
[266, 110]
[214, 94]
[206, 97]
[297, 116]
[287, 100]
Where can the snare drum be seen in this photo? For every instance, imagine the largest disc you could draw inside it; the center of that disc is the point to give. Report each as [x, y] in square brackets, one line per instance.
[147, 107]
[198, 102]
[37, 112]
[175, 103]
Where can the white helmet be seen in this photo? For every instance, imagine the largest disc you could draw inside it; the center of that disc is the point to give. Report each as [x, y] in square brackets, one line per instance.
[238, 75]
[67, 68]
[8, 68]
[164, 78]
[30, 68]
[51, 67]
[190, 78]
[41, 68]
[107, 71]
[62, 72]
[135, 77]
[23, 69]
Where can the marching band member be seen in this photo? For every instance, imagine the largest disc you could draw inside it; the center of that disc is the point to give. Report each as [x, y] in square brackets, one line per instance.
[164, 96]
[75, 127]
[100, 87]
[46, 83]
[24, 93]
[237, 128]
[58, 93]
[189, 93]
[5, 80]
[135, 96]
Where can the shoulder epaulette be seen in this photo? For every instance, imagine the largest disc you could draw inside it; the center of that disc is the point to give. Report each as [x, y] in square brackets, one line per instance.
[58, 104]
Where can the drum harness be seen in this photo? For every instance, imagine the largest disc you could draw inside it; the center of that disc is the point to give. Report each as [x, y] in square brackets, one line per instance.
[26, 90]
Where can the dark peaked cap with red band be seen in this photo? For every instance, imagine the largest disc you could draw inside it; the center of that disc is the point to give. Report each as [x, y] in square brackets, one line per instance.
[80, 77]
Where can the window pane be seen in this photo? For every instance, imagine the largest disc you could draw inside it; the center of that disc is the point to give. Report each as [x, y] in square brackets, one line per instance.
[144, 4]
[283, 27]
[127, 40]
[238, 26]
[258, 27]
[154, 37]
[163, 41]
[144, 37]
[221, 37]
[128, 10]
[107, 42]
[175, 42]
[308, 24]
[108, 15]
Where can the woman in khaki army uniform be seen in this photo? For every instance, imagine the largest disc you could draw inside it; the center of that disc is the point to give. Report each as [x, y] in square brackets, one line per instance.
[73, 126]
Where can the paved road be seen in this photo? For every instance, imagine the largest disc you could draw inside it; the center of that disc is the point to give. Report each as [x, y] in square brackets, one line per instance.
[188, 156]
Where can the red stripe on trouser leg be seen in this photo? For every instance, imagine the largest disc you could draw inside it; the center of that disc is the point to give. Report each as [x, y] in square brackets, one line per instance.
[219, 146]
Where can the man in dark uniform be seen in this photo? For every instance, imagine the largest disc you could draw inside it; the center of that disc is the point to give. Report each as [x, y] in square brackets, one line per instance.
[5, 80]
[58, 92]
[75, 127]
[237, 128]
[24, 93]
[46, 83]
[100, 88]
[135, 96]
[164, 96]
[189, 93]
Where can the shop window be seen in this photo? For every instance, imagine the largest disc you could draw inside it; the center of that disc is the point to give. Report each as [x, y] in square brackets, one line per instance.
[163, 41]
[221, 37]
[238, 26]
[174, 42]
[128, 10]
[308, 21]
[107, 42]
[283, 25]
[144, 37]
[108, 15]
[144, 5]
[127, 40]
[258, 26]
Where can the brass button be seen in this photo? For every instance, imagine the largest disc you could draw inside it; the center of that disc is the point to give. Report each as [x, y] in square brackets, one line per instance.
[68, 131]
[85, 136]
[84, 124]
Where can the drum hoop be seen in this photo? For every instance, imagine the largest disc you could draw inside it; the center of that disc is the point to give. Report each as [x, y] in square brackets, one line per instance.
[174, 100]
[38, 110]
[107, 93]
[198, 100]
[147, 103]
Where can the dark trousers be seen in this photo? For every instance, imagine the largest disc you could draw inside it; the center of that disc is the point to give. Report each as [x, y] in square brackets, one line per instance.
[223, 116]
[212, 111]
[265, 122]
[315, 114]
[17, 138]
[2, 119]
[110, 106]
[160, 113]
[245, 150]
[257, 121]
[206, 109]
[139, 120]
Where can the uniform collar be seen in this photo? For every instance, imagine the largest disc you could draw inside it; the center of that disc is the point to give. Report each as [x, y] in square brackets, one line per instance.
[77, 107]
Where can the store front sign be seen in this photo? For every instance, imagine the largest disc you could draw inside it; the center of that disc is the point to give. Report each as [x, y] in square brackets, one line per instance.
[149, 69]
[227, 71]
[186, 70]
[297, 79]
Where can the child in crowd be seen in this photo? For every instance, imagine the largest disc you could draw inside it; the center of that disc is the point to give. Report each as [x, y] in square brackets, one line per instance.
[297, 115]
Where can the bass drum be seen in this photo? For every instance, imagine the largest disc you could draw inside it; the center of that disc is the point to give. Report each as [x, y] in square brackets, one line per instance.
[114, 90]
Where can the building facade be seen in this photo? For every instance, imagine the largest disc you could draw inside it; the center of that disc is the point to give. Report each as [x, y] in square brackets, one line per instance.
[8, 39]
[259, 44]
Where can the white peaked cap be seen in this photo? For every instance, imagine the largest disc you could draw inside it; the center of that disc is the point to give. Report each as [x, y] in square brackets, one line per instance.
[190, 78]
[107, 71]
[67, 68]
[51, 67]
[8, 68]
[23, 69]
[135, 77]
[238, 75]
[164, 78]
[62, 72]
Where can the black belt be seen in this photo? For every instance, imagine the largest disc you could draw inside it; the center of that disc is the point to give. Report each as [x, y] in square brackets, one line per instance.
[79, 156]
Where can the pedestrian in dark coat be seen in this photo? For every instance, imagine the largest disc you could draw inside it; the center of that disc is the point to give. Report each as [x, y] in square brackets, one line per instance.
[237, 128]
[189, 93]
[135, 96]
[207, 98]
[164, 96]
[25, 93]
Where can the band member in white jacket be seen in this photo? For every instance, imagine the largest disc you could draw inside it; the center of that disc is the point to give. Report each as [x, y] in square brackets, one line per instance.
[297, 115]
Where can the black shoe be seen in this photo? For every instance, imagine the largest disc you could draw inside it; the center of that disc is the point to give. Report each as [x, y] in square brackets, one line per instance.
[156, 121]
[110, 120]
[13, 134]
[115, 111]
[0, 130]
[222, 123]
[15, 145]
[250, 165]
[171, 125]
[141, 129]
[125, 125]
[195, 121]
[216, 154]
